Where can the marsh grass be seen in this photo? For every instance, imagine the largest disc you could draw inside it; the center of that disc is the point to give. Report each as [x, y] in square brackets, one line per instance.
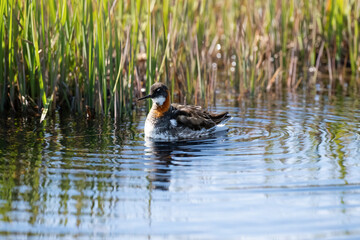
[95, 57]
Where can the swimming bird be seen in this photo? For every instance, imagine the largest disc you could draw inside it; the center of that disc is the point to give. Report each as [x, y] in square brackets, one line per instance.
[174, 121]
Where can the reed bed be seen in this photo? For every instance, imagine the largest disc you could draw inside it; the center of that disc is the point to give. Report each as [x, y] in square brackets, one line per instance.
[95, 57]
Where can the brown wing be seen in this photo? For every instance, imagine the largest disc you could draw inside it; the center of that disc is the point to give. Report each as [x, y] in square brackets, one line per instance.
[196, 118]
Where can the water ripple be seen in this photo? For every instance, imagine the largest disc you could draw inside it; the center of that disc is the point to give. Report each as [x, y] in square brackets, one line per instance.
[285, 168]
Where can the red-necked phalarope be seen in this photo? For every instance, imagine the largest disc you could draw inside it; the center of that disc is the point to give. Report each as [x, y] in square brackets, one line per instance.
[175, 121]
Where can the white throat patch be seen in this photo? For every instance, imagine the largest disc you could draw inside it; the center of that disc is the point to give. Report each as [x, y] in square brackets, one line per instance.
[159, 100]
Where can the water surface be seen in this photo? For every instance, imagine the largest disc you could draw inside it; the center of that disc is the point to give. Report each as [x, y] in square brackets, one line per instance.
[287, 168]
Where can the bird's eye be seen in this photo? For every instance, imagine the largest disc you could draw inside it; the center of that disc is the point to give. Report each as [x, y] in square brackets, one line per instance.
[158, 90]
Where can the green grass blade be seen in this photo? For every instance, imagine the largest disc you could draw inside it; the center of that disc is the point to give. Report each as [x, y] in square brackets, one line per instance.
[37, 58]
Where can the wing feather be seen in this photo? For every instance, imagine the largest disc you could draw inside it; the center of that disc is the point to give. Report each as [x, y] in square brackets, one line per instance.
[194, 117]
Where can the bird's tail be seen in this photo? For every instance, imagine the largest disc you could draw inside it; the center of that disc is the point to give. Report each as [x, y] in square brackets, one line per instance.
[221, 117]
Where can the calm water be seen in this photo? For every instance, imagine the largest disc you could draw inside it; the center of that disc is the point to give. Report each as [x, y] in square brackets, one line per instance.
[287, 168]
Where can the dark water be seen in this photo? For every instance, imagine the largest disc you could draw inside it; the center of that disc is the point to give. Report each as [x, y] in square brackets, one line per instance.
[287, 169]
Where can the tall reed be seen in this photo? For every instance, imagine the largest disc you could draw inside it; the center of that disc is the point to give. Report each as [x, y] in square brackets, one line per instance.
[96, 56]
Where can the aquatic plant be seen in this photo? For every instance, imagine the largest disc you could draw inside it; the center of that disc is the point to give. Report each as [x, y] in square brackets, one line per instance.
[96, 56]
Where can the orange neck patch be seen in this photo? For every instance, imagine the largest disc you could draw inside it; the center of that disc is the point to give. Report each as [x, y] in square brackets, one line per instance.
[160, 110]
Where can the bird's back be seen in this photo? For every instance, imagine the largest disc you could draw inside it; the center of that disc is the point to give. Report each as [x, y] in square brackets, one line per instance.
[194, 117]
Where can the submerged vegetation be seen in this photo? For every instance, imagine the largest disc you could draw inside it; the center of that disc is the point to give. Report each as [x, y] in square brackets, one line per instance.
[96, 56]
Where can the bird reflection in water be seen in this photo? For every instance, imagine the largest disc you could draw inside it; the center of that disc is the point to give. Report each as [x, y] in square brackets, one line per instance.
[160, 158]
[160, 161]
